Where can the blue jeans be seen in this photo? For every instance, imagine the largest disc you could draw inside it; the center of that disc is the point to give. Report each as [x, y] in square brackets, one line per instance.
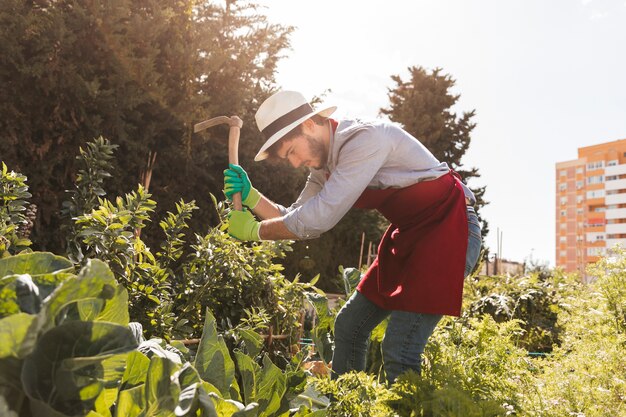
[406, 334]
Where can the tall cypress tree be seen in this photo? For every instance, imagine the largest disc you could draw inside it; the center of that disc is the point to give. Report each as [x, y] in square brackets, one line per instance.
[423, 106]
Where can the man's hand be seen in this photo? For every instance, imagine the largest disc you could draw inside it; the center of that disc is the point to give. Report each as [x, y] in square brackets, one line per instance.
[236, 181]
[243, 226]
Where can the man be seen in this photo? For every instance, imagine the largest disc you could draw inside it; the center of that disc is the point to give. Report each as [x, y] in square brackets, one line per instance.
[432, 243]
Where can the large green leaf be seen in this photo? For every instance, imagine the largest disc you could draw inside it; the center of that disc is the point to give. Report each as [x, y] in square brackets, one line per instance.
[271, 388]
[206, 405]
[232, 408]
[114, 310]
[189, 397]
[213, 360]
[72, 363]
[13, 331]
[131, 402]
[187, 400]
[161, 394]
[325, 324]
[10, 384]
[136, 369]
[37, 263]
[248, 370]
[94, 284]
[188, 375]
[25, 292]
[254, 342]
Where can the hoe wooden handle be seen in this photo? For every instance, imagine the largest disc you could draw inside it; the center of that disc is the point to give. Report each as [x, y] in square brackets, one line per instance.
[233, 153]
[235, 124]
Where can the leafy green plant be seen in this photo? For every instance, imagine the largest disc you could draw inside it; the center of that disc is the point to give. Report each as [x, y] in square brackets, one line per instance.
[63, 358]
[467, 361]
[535, 299]
[169, 291]
[14, 197]
[585, 374]
[323, 331]
[610, 273]
[94, 167]
[357, 394]
[172, 248]
[78, 356]
[109, 233]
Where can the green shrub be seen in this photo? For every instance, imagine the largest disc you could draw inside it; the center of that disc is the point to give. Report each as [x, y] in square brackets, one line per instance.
[169, 291]
[479, 359]
[356, 394]
[535, 299]
[586, 374]
[13, 206]
[75, 354]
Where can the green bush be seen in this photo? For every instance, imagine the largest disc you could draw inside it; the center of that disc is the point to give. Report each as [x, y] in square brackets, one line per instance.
[74, 353]
[13, 205]
[169, 291]
[356, 394]
[586, 374]
[535, 299]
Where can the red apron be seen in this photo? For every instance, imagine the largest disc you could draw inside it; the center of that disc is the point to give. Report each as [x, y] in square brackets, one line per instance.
[421, 258]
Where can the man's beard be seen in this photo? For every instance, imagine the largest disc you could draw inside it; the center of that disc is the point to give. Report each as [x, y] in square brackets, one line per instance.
[318, 151]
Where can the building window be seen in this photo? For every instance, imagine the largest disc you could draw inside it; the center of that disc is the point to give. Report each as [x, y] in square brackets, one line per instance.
[562, 186]
[611, 163]
[579, 185]
[595, 165]
[595, 237]
[563, 212]
[563, 173]
[595, 224]
[563, 239]
[579, 199]
[595, 194]
[595, 179]
[563, 226]
[563, 253]
[595, 251]
[580, 211]
[579, 170]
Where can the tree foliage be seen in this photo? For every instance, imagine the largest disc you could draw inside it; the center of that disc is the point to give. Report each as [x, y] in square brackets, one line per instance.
[423, 105]
[140, 73]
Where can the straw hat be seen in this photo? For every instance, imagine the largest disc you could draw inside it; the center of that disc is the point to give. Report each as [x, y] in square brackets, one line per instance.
[282, 112]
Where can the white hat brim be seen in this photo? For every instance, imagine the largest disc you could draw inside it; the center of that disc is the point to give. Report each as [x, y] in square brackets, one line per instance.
[262, 154]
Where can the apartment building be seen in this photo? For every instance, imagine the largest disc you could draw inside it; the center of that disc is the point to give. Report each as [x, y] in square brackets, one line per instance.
[590, 205]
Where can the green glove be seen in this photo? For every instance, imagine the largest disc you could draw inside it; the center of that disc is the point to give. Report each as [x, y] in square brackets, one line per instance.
[243, 226]
[236, 181]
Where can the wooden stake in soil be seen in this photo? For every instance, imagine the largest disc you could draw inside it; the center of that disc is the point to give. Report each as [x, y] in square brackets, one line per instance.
[361, 254]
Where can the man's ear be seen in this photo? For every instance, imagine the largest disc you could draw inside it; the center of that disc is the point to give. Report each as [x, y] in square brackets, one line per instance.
[308, 126]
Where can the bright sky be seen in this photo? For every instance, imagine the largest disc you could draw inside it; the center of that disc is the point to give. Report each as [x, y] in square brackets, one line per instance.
[545, 77]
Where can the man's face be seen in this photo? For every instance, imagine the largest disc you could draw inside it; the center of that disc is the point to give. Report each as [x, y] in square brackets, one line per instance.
[304, 150]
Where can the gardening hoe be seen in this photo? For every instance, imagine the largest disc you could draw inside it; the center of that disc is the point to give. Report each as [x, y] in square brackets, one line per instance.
[235, 124]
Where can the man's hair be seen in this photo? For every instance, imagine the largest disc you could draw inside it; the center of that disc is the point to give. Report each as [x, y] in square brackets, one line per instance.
[272, 151]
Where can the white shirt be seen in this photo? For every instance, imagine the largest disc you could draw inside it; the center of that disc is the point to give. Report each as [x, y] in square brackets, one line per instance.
[375, 155]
